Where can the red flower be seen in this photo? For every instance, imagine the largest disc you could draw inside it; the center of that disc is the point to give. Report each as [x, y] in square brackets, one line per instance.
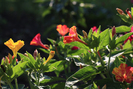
[36, 41]
[94, 29]
[129, 13]
[62, 29]
[73, 36]
[74, 48]
[130, 37]
[123, 73]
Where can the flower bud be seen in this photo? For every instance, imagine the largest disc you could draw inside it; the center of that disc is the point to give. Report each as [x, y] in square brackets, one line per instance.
[85, 34]
[51, 55]
[120, 11]
[113, 31]
[26, 54]
[35, 54]
[74, 48]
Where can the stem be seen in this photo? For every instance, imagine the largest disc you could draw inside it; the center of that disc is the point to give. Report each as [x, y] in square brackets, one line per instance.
[99, 56]
[65, 70]
[9, 83]
[36, 78]
[101, 60]
[38, 83]
[69, 67]
[109, 62]
[102, 76]
[16, 83]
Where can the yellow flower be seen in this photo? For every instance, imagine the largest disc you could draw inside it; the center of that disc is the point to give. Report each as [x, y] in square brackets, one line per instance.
[14, 46]
[51, 55]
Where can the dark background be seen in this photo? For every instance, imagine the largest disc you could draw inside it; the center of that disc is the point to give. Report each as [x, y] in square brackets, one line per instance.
[23, 19]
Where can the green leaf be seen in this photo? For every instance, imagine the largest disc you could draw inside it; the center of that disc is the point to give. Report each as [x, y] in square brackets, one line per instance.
[122, 29]
[76, 52]
[127, 45]
[132, 11]
[46, 12]
[121, 39]
[51, 40]
[58, 85]
[23, 57]
[19, 69]
[78, 44]
[32, 60]
[90, 33]
[80, 75]
[126, 19]
[44, 50]
[57, 66]
[54, 82]
[104, 39]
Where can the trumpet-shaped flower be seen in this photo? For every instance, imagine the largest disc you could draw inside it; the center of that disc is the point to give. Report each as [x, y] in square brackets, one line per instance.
[73, 36]
[62, 29]
[36, 41]
[123, 73]
[51, 55]
[14, 46]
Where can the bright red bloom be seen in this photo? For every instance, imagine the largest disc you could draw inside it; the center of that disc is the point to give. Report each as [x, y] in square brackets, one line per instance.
[36, 41]
[94, 29]
[130, 37]
[62, 29]
[74, 48]
[123, 73]
[73, 36]
[129, 13]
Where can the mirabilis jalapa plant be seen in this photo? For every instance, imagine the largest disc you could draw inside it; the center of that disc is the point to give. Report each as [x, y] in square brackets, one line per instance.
[96, 60]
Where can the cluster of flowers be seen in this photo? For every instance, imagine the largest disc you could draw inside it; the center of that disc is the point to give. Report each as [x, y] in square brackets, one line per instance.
[122, 73]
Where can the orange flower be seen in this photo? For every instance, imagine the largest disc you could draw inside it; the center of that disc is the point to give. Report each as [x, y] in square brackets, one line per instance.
[51, 55]
[36, 41]
[73, 36]
[123, 73]
[14, 46]
[62, 29]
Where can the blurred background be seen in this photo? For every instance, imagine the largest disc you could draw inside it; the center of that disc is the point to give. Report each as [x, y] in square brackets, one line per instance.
[23, 19]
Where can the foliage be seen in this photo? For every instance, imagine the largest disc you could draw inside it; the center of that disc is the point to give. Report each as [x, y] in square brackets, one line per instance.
[98, 59]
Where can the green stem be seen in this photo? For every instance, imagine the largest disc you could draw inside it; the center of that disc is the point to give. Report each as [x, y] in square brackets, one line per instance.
[109, 62]
[36, 78]
[100, 58]
[102, 76]
[65, 70]
[38, 83]
[69, 67]
[16, 83]
[9, 83]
